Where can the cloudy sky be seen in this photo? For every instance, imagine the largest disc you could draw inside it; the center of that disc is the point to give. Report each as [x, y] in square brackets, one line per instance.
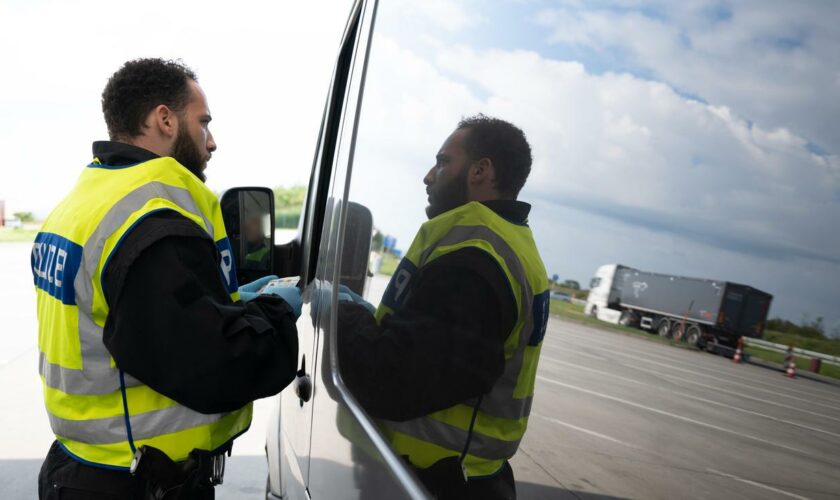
[695, 138]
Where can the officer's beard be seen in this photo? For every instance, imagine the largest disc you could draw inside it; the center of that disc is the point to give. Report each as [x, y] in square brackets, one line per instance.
[187, 154]
[449, 196]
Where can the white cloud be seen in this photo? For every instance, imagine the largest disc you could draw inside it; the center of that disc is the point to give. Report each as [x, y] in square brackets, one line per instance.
[661, 180]
[450, 16]
[775, 62]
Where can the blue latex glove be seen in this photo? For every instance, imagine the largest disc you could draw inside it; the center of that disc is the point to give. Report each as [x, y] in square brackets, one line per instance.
[250, 290]
[291, 294]
[345, 293]
[321, 299]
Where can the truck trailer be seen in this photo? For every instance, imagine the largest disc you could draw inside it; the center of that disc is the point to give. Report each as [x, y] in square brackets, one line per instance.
[703, 312]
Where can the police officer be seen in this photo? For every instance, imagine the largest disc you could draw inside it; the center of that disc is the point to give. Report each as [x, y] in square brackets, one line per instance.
[448, 361]
[149, 359]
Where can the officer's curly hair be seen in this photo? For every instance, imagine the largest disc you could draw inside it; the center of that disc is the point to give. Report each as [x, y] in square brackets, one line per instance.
[505, 145]
[137, 88]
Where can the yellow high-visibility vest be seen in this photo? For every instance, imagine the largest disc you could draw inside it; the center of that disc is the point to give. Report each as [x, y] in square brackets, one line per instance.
[98, 413]
[501, 415]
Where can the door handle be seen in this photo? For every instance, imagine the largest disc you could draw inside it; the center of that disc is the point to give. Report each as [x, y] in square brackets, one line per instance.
[303, 383]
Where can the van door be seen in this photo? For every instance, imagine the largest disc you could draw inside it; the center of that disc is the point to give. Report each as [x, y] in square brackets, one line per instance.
[296, 406]
[320, 458]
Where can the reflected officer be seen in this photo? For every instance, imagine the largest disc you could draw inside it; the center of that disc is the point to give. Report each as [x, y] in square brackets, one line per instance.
[147, 355]
[448, 361]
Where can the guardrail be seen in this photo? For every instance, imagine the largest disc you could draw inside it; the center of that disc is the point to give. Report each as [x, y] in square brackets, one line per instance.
[826, 358]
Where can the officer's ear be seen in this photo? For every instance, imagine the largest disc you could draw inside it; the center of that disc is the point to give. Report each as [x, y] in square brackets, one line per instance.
[165, 121]
[482, 172]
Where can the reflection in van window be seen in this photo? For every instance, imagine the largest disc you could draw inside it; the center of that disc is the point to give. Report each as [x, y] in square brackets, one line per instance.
[457, 334]
[687, 140]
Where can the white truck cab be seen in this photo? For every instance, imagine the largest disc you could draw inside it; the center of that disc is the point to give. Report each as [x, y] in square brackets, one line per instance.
[604, 293]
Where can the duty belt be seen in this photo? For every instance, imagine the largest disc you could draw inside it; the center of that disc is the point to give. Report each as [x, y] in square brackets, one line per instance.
[170, 480]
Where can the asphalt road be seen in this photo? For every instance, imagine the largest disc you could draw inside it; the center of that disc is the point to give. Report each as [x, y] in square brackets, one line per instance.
[614, 416]
[620, 416]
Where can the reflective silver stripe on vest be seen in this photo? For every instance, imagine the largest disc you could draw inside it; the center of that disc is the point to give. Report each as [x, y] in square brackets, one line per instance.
[96, 375]
[72, 381]
[452, 438]
[143, 426]
[499, 402]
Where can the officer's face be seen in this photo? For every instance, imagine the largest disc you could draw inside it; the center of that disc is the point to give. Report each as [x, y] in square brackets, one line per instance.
[194, 143]
[446, 182]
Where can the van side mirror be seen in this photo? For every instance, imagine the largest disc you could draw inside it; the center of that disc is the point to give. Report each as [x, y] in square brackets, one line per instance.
[355, 253]
[248, 213]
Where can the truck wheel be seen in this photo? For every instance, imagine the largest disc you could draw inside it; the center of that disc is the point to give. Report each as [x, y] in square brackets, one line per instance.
[694, 335]
[664, 328]
[626, 318]
[677, 331]
[594, 312]
[712, 345]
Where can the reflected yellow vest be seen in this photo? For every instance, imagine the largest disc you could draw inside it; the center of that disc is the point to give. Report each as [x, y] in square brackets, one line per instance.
[98, 413]
[502, 414]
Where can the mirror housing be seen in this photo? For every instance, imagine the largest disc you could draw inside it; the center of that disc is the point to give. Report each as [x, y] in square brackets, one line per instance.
[355, 252]
[248, 213]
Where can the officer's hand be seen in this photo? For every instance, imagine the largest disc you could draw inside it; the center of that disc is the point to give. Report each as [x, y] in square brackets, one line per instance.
[321, 300]
[345, 293]
[250, 290]
[291, 294]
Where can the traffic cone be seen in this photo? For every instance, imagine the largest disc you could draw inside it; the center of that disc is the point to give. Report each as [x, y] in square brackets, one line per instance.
[738, 352]
[791, 370]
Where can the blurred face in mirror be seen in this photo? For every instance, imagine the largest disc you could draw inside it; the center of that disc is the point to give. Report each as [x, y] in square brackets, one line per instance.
[446, 182]
[252, 230]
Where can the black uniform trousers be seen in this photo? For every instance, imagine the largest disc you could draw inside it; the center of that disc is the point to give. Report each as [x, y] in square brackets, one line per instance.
[63, 477]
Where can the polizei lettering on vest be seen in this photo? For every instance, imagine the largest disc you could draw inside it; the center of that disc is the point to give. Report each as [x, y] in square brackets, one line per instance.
[55, 262]
[227, 267]
[397, 292]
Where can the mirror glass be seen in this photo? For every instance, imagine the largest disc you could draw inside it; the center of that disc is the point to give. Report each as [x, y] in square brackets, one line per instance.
[248, 215]
[256, 230]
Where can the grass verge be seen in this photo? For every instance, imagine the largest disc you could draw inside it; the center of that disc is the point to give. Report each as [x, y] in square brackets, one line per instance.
[574, 312]
[802, 364]
[825, 346]
[8, 234]
[389, 264]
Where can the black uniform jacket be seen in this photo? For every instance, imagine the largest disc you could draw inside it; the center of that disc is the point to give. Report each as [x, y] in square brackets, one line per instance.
[444, 346]
[172, 324]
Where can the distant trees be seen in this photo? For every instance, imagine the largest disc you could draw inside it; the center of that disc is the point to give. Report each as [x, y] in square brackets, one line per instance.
[569, 287]
[812, 329]
[574, 285]
[24, 216]
[289, 197]
[288, 205]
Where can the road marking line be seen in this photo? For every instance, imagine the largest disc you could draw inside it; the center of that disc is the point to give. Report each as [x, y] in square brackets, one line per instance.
[678, 368]
[575, 351]
[824, 396]
[587, 431]
[678, 417]
[676, 381]
[696, 398]
[662, 354]
[618, 441]
[756, 483]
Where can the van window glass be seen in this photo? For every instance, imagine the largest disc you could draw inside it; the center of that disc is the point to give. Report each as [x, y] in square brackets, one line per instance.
[680, 152]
